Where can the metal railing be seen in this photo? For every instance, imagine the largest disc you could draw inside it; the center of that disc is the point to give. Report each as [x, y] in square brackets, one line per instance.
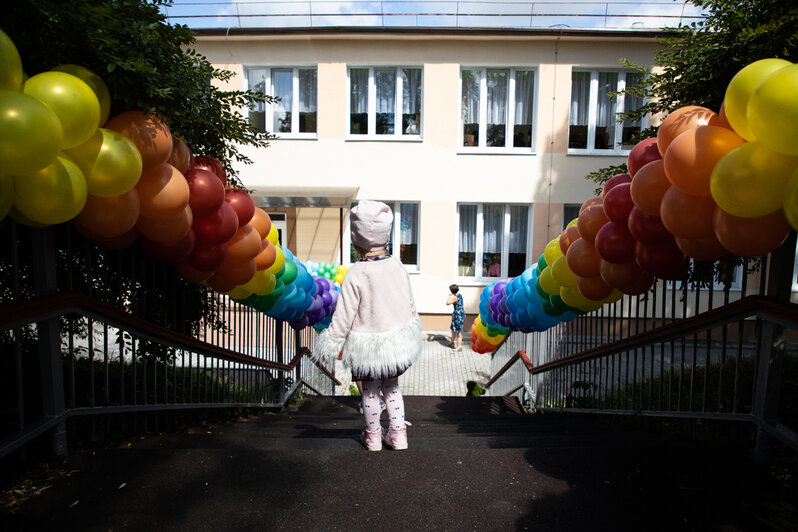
[671, 352]
[76, 360]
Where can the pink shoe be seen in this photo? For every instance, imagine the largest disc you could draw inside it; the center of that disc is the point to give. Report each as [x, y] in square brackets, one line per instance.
[372, 440]
[396, 439]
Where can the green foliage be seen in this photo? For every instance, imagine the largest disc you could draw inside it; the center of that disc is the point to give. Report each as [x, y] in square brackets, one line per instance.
[353, 391]
[147, 64]
[474, 389]
[602, 175]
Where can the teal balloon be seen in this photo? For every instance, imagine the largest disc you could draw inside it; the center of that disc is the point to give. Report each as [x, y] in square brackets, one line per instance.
[289, 272]
[542, 264]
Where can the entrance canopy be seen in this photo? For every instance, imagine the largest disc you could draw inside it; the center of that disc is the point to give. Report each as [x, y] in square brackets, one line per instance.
[319, 197]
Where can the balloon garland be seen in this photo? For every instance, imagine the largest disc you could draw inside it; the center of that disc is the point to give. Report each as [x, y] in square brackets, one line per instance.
[710, 184]
[125, 178]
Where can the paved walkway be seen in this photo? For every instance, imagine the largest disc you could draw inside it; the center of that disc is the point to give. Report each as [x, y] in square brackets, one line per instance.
[440, 371]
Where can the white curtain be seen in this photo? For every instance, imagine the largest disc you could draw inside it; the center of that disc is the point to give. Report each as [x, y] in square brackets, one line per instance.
[411, 90]
[470, 104]
[524, 89]
[283, 88]
[359, 90]
[493, 218]
[497, 96]
[518, 228]
[386, 90]
[605, 112]
[408, 228]
[630, 101]
[256, 81]
[468, 229]
[307, 91]
[580, 98]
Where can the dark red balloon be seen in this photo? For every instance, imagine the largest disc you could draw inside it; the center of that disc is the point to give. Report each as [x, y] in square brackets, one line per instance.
[212, 165]
[207, 257]
[615, 181]
[173, 252]
[614, 243]
[646, 228]
[242, 203]
[640, 286]
[206, 192]
[618, 203]
[643, 153]
[664, 259]
[217, 227]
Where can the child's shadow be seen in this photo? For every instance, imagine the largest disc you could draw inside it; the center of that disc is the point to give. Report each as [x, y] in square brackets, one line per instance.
[440, 339]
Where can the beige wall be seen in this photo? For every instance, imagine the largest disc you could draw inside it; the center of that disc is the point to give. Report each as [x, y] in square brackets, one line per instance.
[432, 171]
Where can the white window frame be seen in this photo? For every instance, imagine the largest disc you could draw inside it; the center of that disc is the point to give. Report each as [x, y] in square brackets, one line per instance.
[398, 133]
[397, 227]
[269, 107]
[593, 109]
[483, 112]
[481, 278]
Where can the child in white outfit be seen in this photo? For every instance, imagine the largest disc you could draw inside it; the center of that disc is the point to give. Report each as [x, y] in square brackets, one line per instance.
[376, 324]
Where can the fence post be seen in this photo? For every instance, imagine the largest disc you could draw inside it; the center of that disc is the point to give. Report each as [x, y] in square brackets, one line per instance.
[278, 340]
[51, 371]
[297, 347]
[771, 357]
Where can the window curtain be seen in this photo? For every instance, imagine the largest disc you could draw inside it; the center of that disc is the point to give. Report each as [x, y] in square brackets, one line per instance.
[471, 96]
[408, 228]
[518, 228]
[497, 96]
[283, 87]
[524, 89]
[493, 218]
[467, 242]
[411, 90]
[630, 101]
[256, 81]
[386, 90]
[359, 90]
[307, 91]
[605, 112]
[580, 99]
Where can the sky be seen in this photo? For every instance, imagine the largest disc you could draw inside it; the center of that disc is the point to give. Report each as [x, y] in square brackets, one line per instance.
[576, 14]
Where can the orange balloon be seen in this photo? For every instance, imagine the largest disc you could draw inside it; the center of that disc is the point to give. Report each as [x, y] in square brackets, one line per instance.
[568, 237]
[244, 245]
[219, 283]
[110, 216]
[163, 192]
[121, 241]
[593, 288]
[750, 237]
[685, 215]
[648, 186]
[237, 272]
[590, 221]
[190, 273]
[151, 136]
[267, 255]
[620, 274]
[167, 231]
[693, 154]
[723, 121]
[680, 120]
[595, 200]
[181, 157]
[704, 248]
[261, 222]
[582, 258]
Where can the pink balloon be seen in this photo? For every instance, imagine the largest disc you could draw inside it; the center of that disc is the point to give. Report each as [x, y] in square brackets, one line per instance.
[242, 204]
[206, 192]
[618, 203]
[614, 243]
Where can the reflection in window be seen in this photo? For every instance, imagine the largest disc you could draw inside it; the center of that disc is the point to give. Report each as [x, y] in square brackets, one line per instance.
[500, 249]
[411, 101]
[359, 101]
[467, 241]
[396, 91]
[386, 101]
[296, 89]
[471, 107]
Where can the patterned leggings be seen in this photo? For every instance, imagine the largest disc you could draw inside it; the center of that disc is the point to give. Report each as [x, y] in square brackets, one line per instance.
[395, 406]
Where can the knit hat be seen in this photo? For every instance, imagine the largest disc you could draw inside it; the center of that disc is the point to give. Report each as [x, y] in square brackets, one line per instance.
[371, 223]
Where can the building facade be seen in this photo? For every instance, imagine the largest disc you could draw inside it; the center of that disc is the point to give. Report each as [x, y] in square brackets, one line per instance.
[479, 139]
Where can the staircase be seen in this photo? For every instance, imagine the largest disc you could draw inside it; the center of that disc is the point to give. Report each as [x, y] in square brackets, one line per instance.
[473, 464]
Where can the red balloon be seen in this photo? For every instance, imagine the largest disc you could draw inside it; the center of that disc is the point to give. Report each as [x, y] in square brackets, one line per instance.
[242, 203]
[582, 258]
[568, 237]
[646, 228]
[207, 257]
[751, 237]
[220, 284]
[217, 227]
[206, 192]
[593, 288]
[212, 165]
[640, 286]
[686, 215]
[169, 252]
[590, 221]
[664, 259]
[614, 243]
[618, 203]
[643, 153]
[705, 248]
[618, 275]
[190, 273]
[613, 182]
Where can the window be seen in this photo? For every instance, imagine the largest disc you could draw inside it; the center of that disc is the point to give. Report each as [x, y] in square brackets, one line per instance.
[493, 240]
[498, 108]
[593, 125]
[404, 234]
[570, 212]
[294, 114]
[385, 102]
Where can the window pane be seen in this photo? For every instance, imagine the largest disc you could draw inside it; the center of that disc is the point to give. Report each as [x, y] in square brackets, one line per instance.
[522, 122]
[580, 107]
[467, 241]
[497, 107]
[256, 81]
[307, 100]
[606, 117]
[358, 101]
[519, 220]
[493, 235]
[631, 103]
[386, 100]
[470, 107]
[570, 212]
[408, 233]
[283, 88]
[411, 101]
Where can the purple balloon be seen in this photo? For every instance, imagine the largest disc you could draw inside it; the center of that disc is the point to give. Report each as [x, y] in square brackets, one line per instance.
[498, 288]
[334, 294]
[493, 304]
[315, 316]
[317, 303]
[301, 323]
[503, 306]
[327, 298]
[501, 319]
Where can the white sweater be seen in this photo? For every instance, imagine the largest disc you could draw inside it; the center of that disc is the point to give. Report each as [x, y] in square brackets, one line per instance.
[375, 321]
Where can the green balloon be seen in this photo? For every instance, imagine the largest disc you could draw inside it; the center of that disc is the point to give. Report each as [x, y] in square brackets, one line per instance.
[550, 309]
[30, 134]
[289, 272]
[542, 263]
[539, 289]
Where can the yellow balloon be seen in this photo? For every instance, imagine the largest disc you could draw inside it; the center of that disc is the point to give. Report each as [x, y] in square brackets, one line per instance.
[552, 251]
[591, 306]
[52, 195]
[71, 99]
[479, 327]
[30, 133]
[773, 111]
[613, 297]
[262, 283]
[110, 162]
[496, 340]
[10, 64]
[97, 85]
[273, 237]
[6, 195]
[740, 89]
[750, 180]
[239, 292]
[279, 262]
[572, 297]
[547, 282]
[18, 217]
[791, 200]
[562, 273]
[572, 223]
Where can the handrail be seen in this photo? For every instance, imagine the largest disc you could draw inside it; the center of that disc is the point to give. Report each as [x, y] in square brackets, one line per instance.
[519, 354]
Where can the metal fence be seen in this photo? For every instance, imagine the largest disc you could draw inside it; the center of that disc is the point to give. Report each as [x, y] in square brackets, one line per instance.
[92, 339]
